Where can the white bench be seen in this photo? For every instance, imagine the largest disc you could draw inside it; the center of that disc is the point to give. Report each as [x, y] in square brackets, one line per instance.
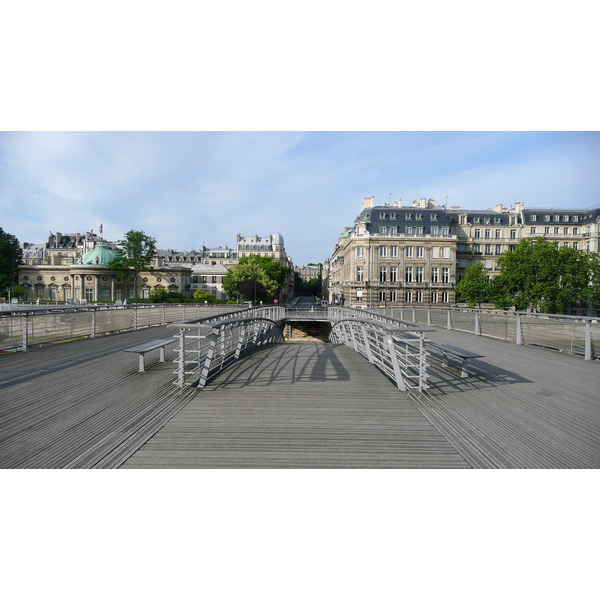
[141, 349]
[460, 353]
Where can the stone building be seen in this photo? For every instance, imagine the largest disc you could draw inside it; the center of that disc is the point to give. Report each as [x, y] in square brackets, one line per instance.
[396, 255]
[75, 268]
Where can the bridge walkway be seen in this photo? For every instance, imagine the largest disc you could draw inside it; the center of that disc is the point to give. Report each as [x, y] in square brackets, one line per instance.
[83, 404]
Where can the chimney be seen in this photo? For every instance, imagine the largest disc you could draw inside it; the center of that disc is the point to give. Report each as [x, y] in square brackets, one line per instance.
[368, 203]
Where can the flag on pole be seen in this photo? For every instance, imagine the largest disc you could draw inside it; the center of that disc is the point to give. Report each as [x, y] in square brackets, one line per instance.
[100, 228]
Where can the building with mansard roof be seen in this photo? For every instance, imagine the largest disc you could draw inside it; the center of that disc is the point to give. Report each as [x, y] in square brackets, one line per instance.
[402, 255]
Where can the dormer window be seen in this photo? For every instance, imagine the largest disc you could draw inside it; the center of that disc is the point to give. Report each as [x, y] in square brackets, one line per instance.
[496, 220]
[419, 217]
[393, 216]
[575, 218]
[566, 218]
[408, 216]
[534, 217]
[476, 220]
[557, 217]
[546, 217]
[433, 216]
[383, 229]
[486, 221]
[382, 215]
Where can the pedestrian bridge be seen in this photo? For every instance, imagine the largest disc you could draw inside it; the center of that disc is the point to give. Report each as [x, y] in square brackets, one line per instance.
[243, 399]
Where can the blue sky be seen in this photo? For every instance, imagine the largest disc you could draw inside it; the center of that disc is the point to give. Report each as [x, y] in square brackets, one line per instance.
[187, 189]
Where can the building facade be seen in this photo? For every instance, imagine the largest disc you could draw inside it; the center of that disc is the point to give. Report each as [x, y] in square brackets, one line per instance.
[395, 255]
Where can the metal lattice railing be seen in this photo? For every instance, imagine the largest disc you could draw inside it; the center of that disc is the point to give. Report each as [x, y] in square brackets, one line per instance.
[397, 349]
[208, 346]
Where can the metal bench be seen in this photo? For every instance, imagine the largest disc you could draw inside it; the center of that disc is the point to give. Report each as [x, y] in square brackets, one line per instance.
[460, 353]
[141, 349]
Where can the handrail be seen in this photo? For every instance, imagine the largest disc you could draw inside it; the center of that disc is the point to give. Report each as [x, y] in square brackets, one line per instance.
[398, 350]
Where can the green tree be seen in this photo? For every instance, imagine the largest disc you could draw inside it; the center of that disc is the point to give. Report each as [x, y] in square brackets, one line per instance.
[11, 255]
[260, 275]
[540, 275]
[203, 295]
[135, 252]
[473, 288]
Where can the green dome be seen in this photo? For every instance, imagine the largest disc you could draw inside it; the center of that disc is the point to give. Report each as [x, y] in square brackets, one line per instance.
[100, 255]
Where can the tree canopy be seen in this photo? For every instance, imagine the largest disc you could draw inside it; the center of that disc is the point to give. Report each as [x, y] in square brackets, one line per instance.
[474, 287]
[11, 255]
[256, 278]
[540, 275]
[135, 252]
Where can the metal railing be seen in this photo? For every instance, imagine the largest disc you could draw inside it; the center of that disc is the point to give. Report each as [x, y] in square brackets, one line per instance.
[207, 346]
[401, 358]
[26, 326]
[575, 335]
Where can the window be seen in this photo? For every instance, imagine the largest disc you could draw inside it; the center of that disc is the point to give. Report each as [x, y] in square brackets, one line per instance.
[476, 220]
[393, 230]
[575, 218]
[382, 215]
[409, 251]
[445, 275]
[445, 230]
[419, 230]
[478, 233]
[513, 234]
[434, 297]
[213, 279]
[546, 217]
[546, 230]
[409, 230]
[565, 230]
[566, 244]
[393, 216]
[575, 245]
[89, 294]
[360, 274]
[445, 297]
[488, 233]
[393, 296]
[566, 218]
[394, 251]
[419, 275]
[488, 248]
[575, 230]
[383, 251]
[419, 251]
[393, 274]
[383, 229]
[419, 297]
[382, 273]
[446, 252]
[408, 275]
[533, 217]
[556, 230]
[408, 216]
[382, 297]
[435, 275]
[433, 216]
[435, 252]
[419, 217]
[557, 217]
[533, 230]
[498, 234]
[498, 249]
[360, 252]
[409, 296]
[435, 231]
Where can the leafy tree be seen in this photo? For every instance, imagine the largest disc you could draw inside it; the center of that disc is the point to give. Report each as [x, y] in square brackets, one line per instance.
[260, 275]
[474, 287]
[11, 255]
[203, 295]
[135, 252]
[540, 275]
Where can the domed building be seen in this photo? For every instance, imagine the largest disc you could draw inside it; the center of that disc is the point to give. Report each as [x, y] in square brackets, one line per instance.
[57, 276]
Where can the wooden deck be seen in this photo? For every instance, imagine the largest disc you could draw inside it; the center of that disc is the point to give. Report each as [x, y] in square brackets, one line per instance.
[85, 405]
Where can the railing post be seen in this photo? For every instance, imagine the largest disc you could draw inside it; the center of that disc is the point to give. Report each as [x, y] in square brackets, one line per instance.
[164, 314]
[449, 318]
[391, 348]
[588, 340]
[25, 333]
[93, 332]
[477, 324]
[135, 317]
[519, 331]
